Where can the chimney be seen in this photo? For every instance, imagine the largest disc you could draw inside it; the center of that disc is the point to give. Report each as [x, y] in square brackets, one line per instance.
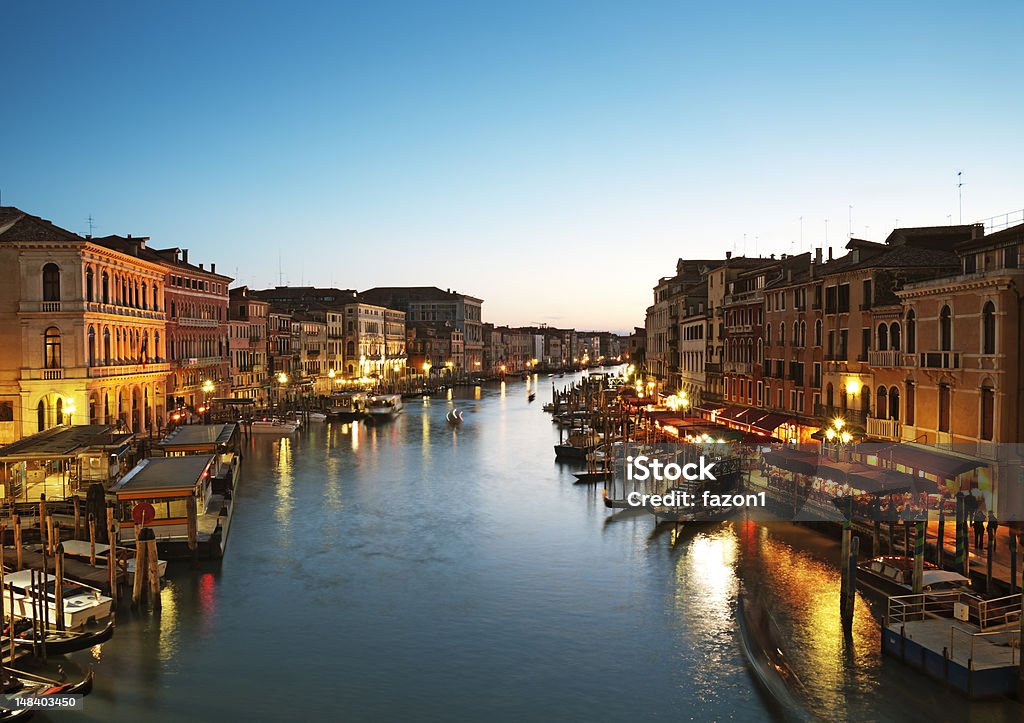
[829, 253]
[789, 276]
[213, 268]
[728, 255]
[200, 266]
[817, 255]
[184, 255]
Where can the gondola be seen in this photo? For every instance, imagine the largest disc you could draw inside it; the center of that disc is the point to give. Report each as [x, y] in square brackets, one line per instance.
[612, 503]
[62, 642]
[587, 478]
[768, 663]
[532, 396]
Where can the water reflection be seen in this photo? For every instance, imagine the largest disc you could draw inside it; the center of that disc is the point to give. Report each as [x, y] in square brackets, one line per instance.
[283, 489]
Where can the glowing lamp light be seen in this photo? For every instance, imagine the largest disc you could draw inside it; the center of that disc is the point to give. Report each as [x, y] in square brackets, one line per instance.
[176, 417]
[202, 409]
[838, 422]
[852, 387]
[830, 434]
[69, 407]
[845, 437]
[282, 378]
[208, 386]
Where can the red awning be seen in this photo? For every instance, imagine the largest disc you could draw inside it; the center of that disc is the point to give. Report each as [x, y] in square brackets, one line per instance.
[922, 459]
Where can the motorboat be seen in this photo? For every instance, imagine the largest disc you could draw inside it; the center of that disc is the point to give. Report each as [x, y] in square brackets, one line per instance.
[383, 407]
[894, 575]
[317, 417]
[348, 405]
[83, 604]
[454, 417]
[274, 426]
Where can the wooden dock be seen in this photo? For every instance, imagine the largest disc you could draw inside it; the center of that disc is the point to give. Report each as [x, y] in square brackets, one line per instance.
[73, 569]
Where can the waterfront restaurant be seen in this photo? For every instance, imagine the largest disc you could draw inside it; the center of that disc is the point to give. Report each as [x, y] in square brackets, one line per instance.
[60, 461]
[176, 487]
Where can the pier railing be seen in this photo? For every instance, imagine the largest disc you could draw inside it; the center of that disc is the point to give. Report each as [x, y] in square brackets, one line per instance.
[965, 644]
[965, 607]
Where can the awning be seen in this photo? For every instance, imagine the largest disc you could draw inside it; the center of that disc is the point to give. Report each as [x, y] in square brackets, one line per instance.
[792, 461]
[770, 422]
[923, 459]
[732, 412]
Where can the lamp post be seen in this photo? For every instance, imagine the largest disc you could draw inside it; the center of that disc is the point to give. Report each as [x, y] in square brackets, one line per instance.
[69, 409]
[282, 380]
[330, 381]
[837, 435]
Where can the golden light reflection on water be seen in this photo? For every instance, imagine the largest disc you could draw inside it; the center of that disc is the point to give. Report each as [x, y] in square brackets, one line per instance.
[168, 624]
[803, 593]
[502, 388]
[355, 436]
[332, 487]
[283, 489]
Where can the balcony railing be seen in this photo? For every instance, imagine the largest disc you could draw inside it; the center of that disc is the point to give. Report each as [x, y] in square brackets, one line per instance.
[738, 367]
[202, 361]
[940, 360]
[42, 374]
[884, 428]
[713, 367]
[852, 416]
[887, 358]
[190, 321]
[97, 307]
[126, 369]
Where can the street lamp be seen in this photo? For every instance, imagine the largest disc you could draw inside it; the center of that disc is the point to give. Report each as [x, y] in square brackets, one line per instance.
[69, 409]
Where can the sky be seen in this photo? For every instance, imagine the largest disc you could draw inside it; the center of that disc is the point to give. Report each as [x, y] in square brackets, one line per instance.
[554, 158]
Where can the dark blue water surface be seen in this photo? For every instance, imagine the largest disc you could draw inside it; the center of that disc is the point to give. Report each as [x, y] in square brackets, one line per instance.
[416, 571]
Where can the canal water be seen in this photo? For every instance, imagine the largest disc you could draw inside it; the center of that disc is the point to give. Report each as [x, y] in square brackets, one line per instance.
[417, 571]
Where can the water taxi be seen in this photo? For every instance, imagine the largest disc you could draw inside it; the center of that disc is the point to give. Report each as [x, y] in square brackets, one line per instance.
[82, 603]
[348, 405]
[274, 426]
[383, 407]
[894, 575]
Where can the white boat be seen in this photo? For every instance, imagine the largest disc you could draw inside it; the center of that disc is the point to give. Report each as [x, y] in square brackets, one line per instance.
[317, 417]
[82, 603]
[274, 426]
[384, 406]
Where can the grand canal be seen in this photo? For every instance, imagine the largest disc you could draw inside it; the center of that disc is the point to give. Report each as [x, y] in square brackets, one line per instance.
[421, 572]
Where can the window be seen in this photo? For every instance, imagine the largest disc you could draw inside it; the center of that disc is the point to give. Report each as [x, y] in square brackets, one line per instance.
[92, 346]
[782, 333]
[894, 402]
[817, 375]
[894, 336]
[51, 348]
[988, 328]
[970, 264]
[843, 301]
[768, 334]
[844, 344]
[945, 398]
[945, 329]
[882, 403]
[106, 288]
[41, 416]
[988, 412]
[796, 334]
[817, 332]
[830, 300]
[883, 337]
[829, 395]
[51, 283]
[911, 331]
[866, 295]
[89, 284]
[1010, 257]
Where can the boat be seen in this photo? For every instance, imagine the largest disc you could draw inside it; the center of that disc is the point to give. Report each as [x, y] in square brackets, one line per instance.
[454, 417]
[593, 476]
[22, 684]
[531, 396]
[383, 407]
[894, 575]
[317, 417]
[613, 503]
[348, 405]
[79, 550]
[61, 642]
[83, 604]
[767, 662]
[273, 426]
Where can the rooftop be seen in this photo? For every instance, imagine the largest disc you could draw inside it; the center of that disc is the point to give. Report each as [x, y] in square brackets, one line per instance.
[65, 441]
[165, 473]
[196, 435]
[18, 226]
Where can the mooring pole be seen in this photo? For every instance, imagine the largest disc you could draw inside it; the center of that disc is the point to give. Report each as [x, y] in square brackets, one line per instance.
[940, 544]
[918, 556]
[1013, 562]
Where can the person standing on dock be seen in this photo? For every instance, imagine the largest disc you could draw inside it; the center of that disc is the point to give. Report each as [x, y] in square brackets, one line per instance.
[993, 525]
[979, 529]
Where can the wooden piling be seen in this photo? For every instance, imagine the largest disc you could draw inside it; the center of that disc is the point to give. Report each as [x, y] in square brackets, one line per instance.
[918, 556]
[152, 570]
[140, 574]
[958, 561]
[991, 549]
[42, 519]
[112, 554]
[849, 600]
[92, 539]
[58, 598]
[10, 599]
[940, 544]
[844, 572]
[49, 535]
[17, 541]
[193, 526]
[1013, 562]
[78, 517]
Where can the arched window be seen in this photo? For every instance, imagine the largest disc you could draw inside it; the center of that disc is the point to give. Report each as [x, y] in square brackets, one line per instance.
[90, 292]
[156, 299]
[60, 410]
[945, 329]
[988, 411]
[51, 348]
[945, 402]
[782, 333]
[106, 347]
[909, 416]
[988, 328]
[894, 402]
[829, 395]
[881, 403]
[768, 334]
[41, 416]
[865, 399]
[156, 347]
[883, 337]
[350, 350]
[51, 283]
[803, 333]
[92, 346]
[911, 331]
[796, 334]
[106, 288]
[894, 336]
[143, 297]
[817, 332]
[760, 351]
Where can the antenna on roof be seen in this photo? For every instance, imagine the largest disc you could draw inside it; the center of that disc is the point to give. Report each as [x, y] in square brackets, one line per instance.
[960, 193]
[801, 233]
[851, 220]
[90, 224]
[279, 274]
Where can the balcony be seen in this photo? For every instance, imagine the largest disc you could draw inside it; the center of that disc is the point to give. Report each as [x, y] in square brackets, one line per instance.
[97, 307]
[119, 370]
[190, 321]
[739, 328]
[713, 367]
[940, 360]
[887, 358]
[42, 374]
[885, 428]
[743, 297]
[852, 416]
[202, 361]
[738, 367]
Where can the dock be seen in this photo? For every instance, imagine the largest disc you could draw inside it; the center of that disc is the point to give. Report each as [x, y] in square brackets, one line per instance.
[971, 645]
[74, 569]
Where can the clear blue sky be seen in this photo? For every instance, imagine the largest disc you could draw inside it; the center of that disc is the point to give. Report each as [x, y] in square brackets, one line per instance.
[554, 158]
